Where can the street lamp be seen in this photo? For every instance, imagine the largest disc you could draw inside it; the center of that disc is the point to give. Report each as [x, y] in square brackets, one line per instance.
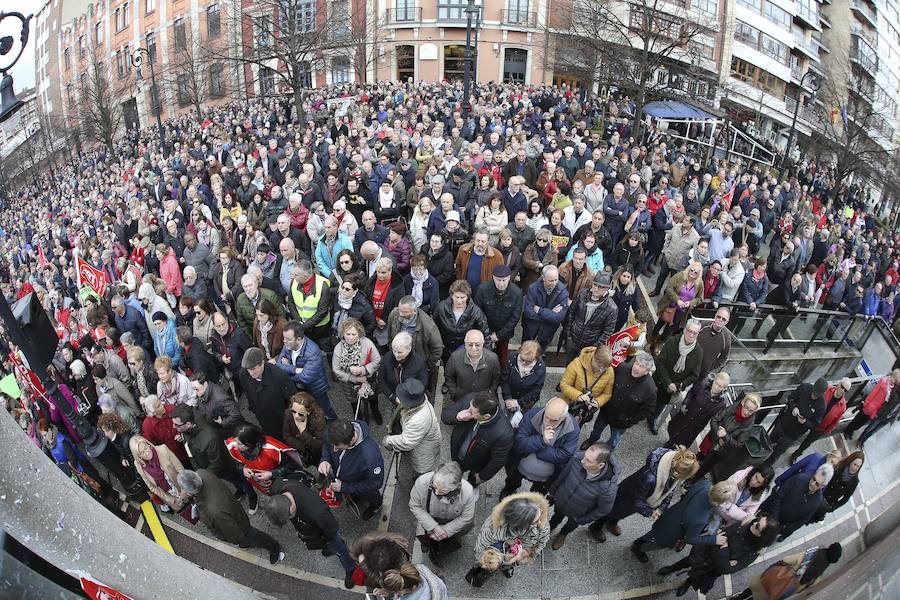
[809, 81]
[137, 59]
[9, 104]
[471, 11]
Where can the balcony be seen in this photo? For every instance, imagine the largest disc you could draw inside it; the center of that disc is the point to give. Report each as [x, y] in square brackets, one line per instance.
[825, 22]
[867, 64]
[796, 73]
[820, 45]
[407, 15]
[808, 15]
[807, 47]
[863, 88]
[806, 111]
[454, 15]
[865, 34]
[863, 10]
[519, 18]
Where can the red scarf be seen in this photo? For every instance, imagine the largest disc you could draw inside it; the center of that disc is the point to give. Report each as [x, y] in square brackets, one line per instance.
[308, 286]
[709, 285]
[379, 294]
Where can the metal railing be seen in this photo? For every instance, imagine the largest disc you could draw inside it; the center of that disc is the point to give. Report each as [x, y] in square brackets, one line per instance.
[864, 9]
[808, 14]
[518, 18]
[868, 63]
[397, 16]
[808, 46]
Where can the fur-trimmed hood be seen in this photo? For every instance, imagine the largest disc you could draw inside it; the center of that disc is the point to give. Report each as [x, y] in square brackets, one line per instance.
[541, 501]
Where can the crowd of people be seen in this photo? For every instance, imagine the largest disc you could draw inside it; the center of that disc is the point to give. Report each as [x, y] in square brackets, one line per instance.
[280, 302]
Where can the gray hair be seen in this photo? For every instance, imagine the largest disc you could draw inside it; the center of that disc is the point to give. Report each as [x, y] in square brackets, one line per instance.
[304, 266]
[827, 471]
[448, 475]
[149, 403]
[247, 278]
[255, 271]
[189, 269]
[402, 339]
[409, 300]
[127, 339]
[694, 323]
[116, 301]
[644, 359]
[190, 481]
[385, 261]
[519, 514]
[253, 357]
[548, 269]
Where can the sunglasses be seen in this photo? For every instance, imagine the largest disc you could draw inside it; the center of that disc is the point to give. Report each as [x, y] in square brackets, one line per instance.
[299, 412]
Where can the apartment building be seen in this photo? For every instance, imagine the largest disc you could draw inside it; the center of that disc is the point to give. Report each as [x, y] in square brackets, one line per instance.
[46, 26]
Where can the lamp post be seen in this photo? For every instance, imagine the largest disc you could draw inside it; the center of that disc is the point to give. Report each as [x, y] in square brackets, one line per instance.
[471, 11]
[137, 59]
[9, 104]
[810, 81]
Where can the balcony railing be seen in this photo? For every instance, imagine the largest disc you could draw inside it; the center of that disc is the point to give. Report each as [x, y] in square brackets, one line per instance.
[399, 16]
[867, 63]
[865, 10]
[806, 111]
[518, 18]
[456, 13]
[808, 46]
[808, 14]
[863, 33]
[796, 72]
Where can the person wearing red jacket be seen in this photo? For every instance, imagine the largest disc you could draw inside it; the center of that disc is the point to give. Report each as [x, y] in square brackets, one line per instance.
[877, 398]
[835, 407]
[264, 459]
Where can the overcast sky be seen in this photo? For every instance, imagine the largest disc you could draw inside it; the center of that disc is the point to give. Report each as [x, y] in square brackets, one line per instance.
[23, 72]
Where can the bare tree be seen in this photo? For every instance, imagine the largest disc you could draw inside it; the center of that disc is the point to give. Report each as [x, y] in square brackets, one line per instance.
[637, 46]
[98, 113]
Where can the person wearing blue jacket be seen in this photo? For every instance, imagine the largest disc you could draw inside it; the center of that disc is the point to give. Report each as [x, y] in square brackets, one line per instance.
[753, 291]
[130, 319]
[165, 342]
[330, 245]
[302, 359]
[872, 300]
[352, 462]
[809, 464]
[546, 305]
[691, 519]
[546, 439]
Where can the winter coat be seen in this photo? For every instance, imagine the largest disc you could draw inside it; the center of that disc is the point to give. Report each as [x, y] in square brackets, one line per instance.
[196, 360]
[453, 332]
[753, 291]
[699, 407]
[155, 304]
[839, 491]
[369, 360]
[171, 466]
[736, 431]
[217, 403]
[308, 443]
[811, 409]
[496, 531]
[402, 253]
[454, 517]
[671, 296]
[878, 396]
[166, 344]
[729, 282]
[170, 272]
[584, 278]
[200, 258]
[806, 465]
[580, 376]
[135, 323]
[441, 267]
[530, 439]
[483, 449]
[207, 447]
[666, 361]
[220, 511]
[716, 348]
[525, 390]
[582, 331]
[580, 498]
[639, 487]
[531, 264]
[738, 512]
[632, 400]
[491, 259]
[431, 296]
[834, 410]
[427, 341]
[461, 379]
[360, 467]
[245, 310]
[326, 259]
[710, 561]
[542, 325]
[392, 373]
[686, 519]
[678, 245]
[233, 279]
[312, 378]
[502, 311]
[626, 255]
[394, 293]
[268, 397]
[360, 309]
[792, 504]
[420, 436]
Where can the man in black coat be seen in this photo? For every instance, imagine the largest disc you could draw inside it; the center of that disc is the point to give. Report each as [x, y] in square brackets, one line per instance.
[482, 437]
[196, 359]
[315, 524]
[804, 410]
[502, 305]
[788, 297]
[781, 266]
[633, 399]
[228, 344]
[269, 390]
[795, 502]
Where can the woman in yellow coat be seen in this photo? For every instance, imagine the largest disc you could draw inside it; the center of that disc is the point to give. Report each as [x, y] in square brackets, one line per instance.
[587, 383]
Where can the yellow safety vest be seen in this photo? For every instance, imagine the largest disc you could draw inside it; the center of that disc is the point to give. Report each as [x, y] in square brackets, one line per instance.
[307, 305]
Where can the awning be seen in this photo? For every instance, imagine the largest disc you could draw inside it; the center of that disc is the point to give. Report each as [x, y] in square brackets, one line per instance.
[673, 109]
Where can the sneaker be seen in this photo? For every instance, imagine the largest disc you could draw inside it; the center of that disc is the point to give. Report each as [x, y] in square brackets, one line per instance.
[327, 552]
[253, 501]
[276, 556]
[348, 581]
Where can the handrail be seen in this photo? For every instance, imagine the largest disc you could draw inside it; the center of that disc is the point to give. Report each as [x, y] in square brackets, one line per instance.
[742, 345]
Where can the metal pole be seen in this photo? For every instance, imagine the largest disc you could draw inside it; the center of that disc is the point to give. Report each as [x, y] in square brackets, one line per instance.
[467, 72]
[790, 141]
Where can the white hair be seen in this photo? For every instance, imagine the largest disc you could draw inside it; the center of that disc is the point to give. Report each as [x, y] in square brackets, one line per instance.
[190, 481]
[827, 471]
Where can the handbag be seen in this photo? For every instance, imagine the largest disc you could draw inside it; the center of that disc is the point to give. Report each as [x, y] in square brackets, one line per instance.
[779, 580]
[668, 314]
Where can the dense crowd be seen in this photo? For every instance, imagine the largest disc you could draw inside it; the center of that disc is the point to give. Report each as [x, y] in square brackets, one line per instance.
[261, 276]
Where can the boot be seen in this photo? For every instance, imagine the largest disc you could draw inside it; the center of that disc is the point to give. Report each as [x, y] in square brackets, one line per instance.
[599, 535]
[638, 551]
[558, 542]
[477, 576]
[614, 529]
[375, 411]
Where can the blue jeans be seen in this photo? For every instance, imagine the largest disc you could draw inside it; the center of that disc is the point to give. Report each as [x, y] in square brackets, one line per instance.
[615, 433]
[324, 403]
[339, 547]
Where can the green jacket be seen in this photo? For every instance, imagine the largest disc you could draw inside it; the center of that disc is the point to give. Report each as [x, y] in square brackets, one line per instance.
[665, 365]
[207, 446]
[219, 510]
[245, 310]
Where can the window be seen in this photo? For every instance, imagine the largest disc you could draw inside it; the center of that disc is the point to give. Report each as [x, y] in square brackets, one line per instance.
[117, 16]
[266, 81]
[120, 67]
[645, 21]
[149, 6]
[296, 16]
[405, 10]
[263, 32]
[122, 17]
[514, 64]
[182, 90]
[707, 7]
[704, 46]
[66, 58]
[754, 5]
[126, 57]
[778, 15]
[518, 12]
[80, 47]
[216, 80]
[340, 69]
[340, 19]
[747, 34]
[304, 74]
[773, 48]
[453, 10]
[213, 24]
[98, 33]
[180, 39]
[151, 46]
[758, 78]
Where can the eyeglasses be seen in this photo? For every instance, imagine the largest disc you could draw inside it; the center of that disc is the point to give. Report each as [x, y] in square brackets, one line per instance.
[133, 364]
[542, 241]
[347, 288]
[299, 412]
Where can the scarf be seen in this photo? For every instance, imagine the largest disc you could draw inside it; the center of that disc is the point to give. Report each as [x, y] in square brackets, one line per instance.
[417, 287]
[264, 329]
[386, 200]
[523, 372]
[683, 351]
[350, 356]
[155, 470]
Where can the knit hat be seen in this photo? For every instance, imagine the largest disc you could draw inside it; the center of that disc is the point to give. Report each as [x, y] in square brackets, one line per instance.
[399, 228]
[453, 215]
[160, 316]
[834, 553]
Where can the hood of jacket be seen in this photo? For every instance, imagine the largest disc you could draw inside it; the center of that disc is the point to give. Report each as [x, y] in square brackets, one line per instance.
[586, 357]
[146, 292]
[541, 501]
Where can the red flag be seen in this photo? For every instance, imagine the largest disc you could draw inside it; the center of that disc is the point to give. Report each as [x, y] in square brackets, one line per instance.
[42, 260]
[620, 342]
[728, 197]
[98, 591]
[90, 276]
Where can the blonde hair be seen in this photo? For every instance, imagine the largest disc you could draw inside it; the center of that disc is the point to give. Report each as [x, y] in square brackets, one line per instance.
[530, 348]
[602, 356]
[695, 264]
[753, 398]
[684, 463]
[402, 579]
[722, 492]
